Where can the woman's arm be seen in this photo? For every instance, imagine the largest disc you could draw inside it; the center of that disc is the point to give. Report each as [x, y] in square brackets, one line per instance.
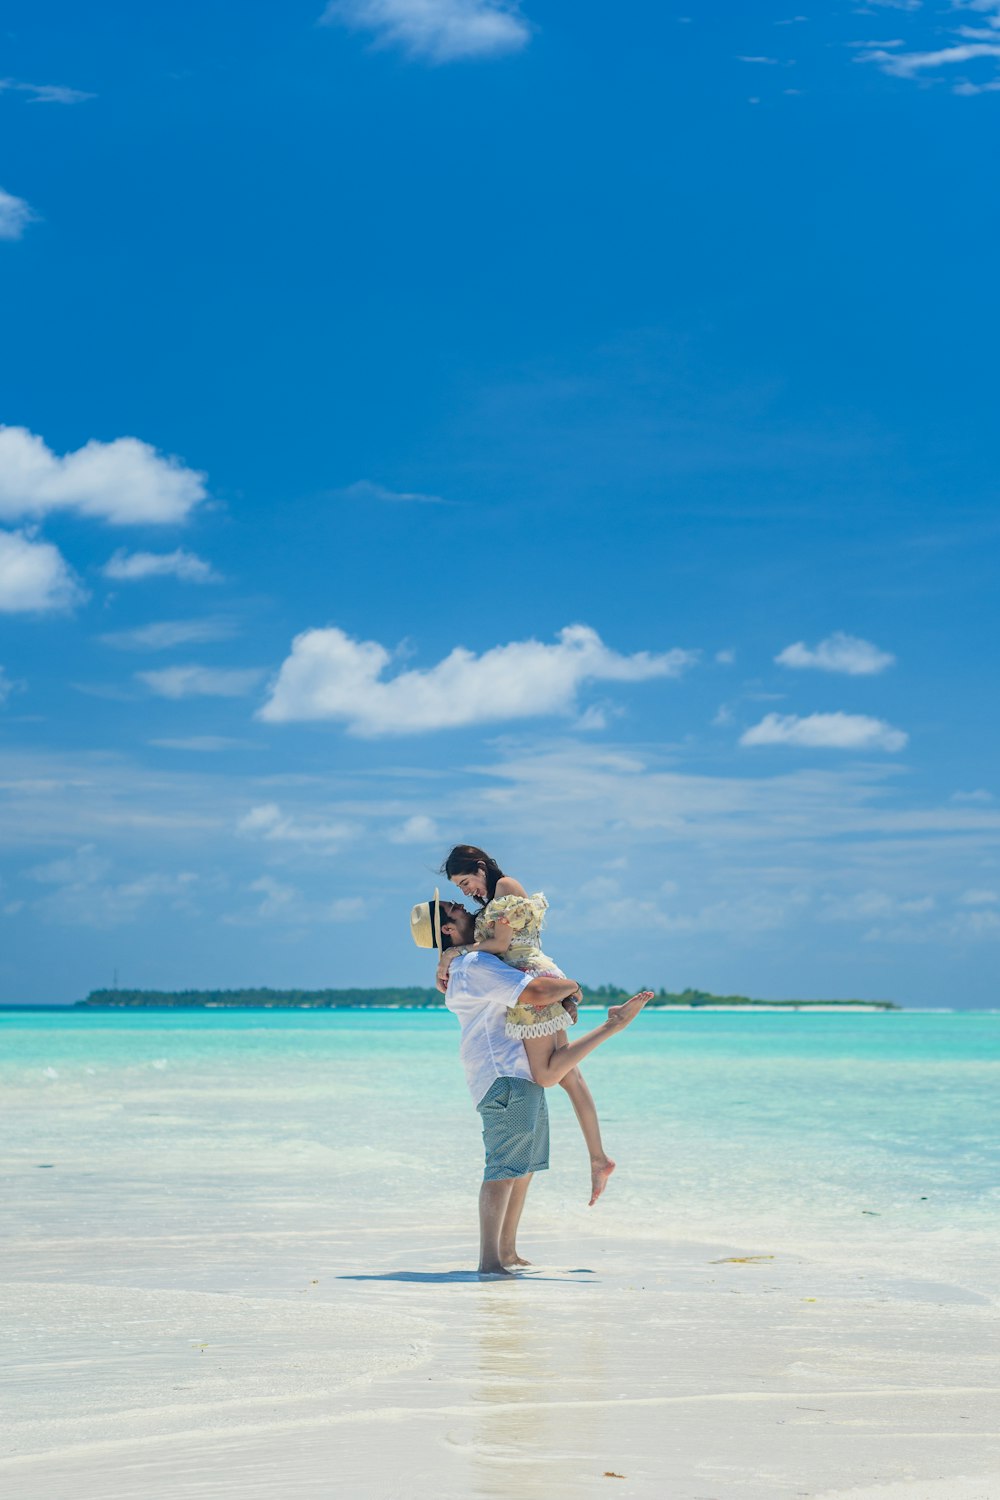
[503, 936]
[498, 944]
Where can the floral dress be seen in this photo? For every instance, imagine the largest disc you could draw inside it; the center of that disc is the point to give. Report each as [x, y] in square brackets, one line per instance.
[526, 915]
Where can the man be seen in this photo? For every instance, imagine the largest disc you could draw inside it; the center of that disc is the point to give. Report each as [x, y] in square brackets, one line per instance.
[509, 1100]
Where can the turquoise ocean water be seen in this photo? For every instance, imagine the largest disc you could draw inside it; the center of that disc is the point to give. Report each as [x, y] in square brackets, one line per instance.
[820, 1127]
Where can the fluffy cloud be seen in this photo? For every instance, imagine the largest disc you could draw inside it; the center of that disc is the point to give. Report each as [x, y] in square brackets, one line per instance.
[125, 482]
[267, 821]
[202, 682]
[132, 567]
[837, 731]
[161, 635]
[838, 653]
[6, 687]
[436, 30]
[419, 829]
[331, 676]
[15, 216]
[34, 576]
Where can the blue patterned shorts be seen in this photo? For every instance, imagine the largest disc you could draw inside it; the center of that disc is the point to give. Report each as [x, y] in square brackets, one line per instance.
[515, 1128]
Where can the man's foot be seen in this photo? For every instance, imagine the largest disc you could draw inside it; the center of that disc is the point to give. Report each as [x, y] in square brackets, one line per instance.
[622, 1015]
[600, 1170]
[513, 1259]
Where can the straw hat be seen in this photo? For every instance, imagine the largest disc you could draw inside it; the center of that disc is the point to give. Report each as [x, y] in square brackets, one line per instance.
[425, 923]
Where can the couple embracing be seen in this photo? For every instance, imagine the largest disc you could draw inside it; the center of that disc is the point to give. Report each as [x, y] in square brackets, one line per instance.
[513, 1005]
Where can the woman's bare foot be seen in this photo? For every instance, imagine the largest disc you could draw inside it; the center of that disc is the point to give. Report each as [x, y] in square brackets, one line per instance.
[600, 1170]
[621, 1015]
[513, 1259]
[495, 1273]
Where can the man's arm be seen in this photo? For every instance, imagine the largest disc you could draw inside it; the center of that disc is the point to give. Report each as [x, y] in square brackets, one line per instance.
[546, 990]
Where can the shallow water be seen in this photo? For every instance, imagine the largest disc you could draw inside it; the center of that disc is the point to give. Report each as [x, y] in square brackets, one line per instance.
[237, 1250]
[721, 1123]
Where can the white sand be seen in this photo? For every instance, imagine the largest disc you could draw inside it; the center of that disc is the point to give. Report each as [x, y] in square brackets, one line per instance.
[253, 1365]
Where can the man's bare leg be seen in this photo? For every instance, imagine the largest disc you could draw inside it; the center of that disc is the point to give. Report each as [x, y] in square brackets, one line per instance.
[582, 1100]
[494, 1198]
[550, 1063]
[511, 1219]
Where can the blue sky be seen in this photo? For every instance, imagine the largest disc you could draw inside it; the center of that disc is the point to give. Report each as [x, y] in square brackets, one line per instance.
[567, 430]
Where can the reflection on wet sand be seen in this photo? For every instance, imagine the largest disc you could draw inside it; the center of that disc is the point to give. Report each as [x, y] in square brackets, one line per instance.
[530, 1363]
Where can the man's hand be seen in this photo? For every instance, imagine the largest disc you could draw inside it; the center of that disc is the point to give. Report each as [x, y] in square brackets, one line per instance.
[444, 964]
[570, 1007]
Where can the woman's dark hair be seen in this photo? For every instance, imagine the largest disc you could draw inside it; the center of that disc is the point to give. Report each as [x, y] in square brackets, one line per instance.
[466, 859]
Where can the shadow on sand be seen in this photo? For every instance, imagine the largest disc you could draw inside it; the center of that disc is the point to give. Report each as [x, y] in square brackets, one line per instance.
[454, 1276]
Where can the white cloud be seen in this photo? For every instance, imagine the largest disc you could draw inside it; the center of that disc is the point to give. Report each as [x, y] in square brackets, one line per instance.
[161, 635]
[836, 731]
[592, 719]
[15, 216]
[909, 64]
[131, 567]
[838, 653]
[287, 905]
[436, 30]
[416, 830]
[46, 93]
[277, 898]
[978, 45]
[34, 576]
[977, 923]
[725, 658]
[329, 675]
[969, 89]
[125, 482]
[980, 795]
[874, 905]
[979, 898]
[365, 489]
[6, 687]
[267, 821]
[202, 682]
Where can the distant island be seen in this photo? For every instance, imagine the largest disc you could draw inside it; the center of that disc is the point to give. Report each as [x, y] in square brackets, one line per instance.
[417, 998]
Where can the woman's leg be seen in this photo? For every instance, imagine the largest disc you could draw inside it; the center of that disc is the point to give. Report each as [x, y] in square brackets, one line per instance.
[582, 1100]
[550, 1062]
